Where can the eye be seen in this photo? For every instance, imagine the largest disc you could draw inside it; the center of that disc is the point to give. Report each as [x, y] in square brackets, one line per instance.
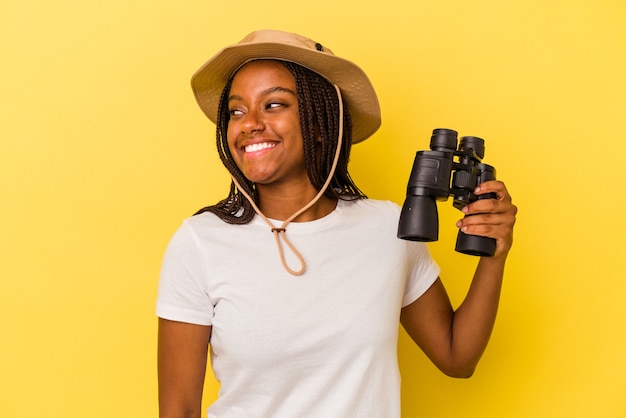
[273, 105]
[235, 112]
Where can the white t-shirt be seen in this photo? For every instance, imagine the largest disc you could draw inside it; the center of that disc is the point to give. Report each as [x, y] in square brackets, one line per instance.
[320, 345]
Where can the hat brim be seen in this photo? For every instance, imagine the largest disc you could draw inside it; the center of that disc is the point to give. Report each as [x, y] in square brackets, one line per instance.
[356, 89]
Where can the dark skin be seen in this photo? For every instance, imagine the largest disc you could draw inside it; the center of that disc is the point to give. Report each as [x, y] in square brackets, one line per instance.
[182, 361]
[454, 340]
[264, 112]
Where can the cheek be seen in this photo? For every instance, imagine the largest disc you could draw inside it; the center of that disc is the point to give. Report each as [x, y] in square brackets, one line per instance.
[291, 128]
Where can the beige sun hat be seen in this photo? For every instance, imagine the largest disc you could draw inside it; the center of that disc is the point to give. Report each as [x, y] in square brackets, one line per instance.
[356, 89]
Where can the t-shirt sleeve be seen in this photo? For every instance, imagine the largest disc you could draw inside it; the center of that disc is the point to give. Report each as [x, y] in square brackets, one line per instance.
[422, 272]
[182, 294]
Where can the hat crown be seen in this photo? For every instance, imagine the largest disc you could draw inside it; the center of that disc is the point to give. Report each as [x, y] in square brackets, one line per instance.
[269, 36]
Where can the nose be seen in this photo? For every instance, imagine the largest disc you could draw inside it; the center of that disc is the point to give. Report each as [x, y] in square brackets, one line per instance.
[252, 122]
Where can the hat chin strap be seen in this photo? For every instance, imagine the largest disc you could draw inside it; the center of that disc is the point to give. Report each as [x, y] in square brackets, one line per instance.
[280, 232]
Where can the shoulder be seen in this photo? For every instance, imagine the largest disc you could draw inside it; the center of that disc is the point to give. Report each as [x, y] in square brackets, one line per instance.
[203, 220]
[371, 208]
[371, 205]
[197, 230]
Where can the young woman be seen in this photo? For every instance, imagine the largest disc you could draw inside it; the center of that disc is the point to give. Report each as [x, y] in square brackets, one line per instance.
[295, 281]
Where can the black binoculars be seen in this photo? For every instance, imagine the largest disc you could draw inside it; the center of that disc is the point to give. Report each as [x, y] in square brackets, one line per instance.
[437, 174]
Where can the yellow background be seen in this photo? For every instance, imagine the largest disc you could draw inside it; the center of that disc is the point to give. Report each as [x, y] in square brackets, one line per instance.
[103, 152]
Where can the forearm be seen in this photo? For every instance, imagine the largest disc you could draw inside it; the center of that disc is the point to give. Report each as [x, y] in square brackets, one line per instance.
[474, 319]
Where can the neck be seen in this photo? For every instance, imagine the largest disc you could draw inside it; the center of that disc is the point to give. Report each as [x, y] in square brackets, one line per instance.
[282, 204]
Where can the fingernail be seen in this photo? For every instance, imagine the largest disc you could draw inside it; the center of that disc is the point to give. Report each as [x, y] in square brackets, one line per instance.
[477, 189]
[458, 224]
[464, 209]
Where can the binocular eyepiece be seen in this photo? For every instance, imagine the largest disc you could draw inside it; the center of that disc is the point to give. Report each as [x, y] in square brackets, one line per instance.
[446, 171]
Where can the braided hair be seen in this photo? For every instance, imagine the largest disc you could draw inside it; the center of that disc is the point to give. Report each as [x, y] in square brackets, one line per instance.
[318, 106]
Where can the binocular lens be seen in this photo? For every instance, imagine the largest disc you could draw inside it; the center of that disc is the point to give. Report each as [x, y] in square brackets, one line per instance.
[419, 220]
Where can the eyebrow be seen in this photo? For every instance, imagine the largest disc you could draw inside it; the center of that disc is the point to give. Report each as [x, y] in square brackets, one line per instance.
[266, 92]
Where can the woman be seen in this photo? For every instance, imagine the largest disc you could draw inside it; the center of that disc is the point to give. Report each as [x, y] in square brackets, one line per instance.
[304, 324]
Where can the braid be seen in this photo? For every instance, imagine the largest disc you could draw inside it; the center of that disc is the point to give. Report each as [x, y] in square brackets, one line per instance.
[318, 106]
[319, 117]
[235, 209]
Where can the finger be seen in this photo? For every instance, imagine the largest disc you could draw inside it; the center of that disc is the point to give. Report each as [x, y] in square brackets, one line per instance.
[497, 227]
[490, 206]
[482, 206]
[502, 235]
[494, 186]
[506, 219]
[485, 223]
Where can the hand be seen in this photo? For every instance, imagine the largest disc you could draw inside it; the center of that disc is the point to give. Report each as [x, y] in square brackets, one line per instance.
[492, 218]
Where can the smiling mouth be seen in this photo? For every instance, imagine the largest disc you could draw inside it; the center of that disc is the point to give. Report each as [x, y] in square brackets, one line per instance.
[258, 147]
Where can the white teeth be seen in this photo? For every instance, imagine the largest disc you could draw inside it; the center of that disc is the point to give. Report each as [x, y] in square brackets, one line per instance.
[258, 147]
